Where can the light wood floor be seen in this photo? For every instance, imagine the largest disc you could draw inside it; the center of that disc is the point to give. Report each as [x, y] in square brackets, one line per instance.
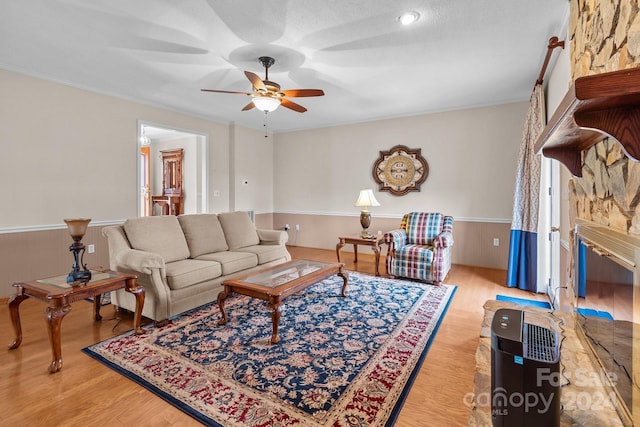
[87, 393]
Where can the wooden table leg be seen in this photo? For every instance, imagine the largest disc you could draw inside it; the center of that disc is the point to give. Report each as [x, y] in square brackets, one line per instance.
[376, 250]
[345, 279]
[14, 304]
[355, 253]
[274, 305]
[96, 307]
[138, 291]
[55, 315]
[221, 297]
[339, 246]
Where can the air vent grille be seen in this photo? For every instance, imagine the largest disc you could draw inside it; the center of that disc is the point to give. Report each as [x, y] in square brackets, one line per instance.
[539, 344]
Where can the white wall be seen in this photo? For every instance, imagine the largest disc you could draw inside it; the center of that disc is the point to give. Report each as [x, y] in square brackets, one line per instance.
[472, 156]
[68, 152]
[252, 163]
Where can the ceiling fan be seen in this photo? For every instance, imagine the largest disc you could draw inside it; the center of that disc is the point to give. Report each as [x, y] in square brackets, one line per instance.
[267, 95]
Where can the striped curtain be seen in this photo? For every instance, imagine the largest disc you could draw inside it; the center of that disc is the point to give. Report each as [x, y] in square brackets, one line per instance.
[523, 245]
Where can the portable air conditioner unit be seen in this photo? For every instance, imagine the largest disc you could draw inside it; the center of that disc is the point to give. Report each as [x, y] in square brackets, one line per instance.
[525, 370]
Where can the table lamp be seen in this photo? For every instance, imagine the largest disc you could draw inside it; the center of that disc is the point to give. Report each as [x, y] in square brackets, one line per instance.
[79, 273]
[365, 200]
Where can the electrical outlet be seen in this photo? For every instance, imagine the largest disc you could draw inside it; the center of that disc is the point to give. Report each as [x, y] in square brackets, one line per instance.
[91, 248]
[496, 242]
[286, 227]
[297, 227]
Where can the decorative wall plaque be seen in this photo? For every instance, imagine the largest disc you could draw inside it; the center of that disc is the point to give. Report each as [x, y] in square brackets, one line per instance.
[400, 170]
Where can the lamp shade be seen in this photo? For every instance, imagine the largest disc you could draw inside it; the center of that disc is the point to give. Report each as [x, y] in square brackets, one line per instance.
[265, 103]
[367, 198]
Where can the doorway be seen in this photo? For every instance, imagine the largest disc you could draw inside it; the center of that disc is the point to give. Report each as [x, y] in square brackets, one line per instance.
[153, 138]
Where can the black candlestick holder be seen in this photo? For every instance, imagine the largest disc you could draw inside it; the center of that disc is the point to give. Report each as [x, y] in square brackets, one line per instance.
[79, 273]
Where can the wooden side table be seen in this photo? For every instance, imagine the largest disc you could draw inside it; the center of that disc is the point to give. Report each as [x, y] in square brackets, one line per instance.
[59, 295]
[356, 240]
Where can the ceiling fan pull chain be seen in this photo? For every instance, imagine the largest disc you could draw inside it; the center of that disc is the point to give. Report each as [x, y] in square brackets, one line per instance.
[266, 134]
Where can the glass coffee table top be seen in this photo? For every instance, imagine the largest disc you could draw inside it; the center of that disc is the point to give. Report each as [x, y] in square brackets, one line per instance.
[285, 273]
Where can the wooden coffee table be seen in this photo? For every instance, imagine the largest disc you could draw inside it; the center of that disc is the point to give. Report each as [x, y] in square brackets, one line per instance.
[274, 284]
[59, 296]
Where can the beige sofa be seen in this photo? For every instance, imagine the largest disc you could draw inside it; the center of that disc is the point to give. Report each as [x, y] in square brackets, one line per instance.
[182, 261]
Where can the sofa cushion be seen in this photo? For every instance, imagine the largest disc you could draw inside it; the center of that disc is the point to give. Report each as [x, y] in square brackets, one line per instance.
[187, 272]
[266, 253]
[238, 230]
[203, 233]
[159, 234]
[232, 262]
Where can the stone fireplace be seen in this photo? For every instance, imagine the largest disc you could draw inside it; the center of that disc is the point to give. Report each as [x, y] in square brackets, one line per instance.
[604, 203]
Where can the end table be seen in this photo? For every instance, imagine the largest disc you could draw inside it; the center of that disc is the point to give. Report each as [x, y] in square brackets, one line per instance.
[59, 295]
[375, 243]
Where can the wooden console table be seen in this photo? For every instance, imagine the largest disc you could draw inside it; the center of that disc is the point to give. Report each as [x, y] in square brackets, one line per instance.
[375, 244]
[59, 295]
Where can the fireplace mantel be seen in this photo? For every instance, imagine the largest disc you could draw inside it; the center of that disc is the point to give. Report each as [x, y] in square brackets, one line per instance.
[595, 107]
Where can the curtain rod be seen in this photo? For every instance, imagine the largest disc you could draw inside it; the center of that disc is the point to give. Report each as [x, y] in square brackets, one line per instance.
[553, 43]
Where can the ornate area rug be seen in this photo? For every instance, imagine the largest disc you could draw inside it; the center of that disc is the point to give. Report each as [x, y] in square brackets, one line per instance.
[340, 361]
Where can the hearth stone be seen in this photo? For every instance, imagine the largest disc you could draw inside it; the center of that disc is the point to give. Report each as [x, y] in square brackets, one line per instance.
[584, 400]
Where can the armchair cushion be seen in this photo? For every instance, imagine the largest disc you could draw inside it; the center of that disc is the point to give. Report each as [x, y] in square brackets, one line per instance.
[414, 261]
[423, 228]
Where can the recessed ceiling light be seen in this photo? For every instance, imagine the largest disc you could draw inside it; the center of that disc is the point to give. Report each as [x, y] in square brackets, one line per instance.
[409, 18]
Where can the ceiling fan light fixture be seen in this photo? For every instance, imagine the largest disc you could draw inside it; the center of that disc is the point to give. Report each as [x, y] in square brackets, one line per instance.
[409, 18]
[266, 103]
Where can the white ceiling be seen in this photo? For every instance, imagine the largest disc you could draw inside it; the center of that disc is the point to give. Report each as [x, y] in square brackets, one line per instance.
[460, 54]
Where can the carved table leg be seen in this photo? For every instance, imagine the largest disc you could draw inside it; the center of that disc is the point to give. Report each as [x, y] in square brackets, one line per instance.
[138, 291]
[221, 297]
[345, 279]
[14, 304]
[276, 312]
[339, 248]
[54, 317]
[376, 250]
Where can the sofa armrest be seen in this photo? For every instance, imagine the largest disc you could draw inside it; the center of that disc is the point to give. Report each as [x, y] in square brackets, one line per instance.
[140, 261]
[443, 240]
[272, 237]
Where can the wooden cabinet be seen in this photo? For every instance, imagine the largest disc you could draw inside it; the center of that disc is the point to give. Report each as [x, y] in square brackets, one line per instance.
[171, 200]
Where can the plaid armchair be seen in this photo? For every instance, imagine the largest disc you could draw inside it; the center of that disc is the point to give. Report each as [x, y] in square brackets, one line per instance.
[420, 248]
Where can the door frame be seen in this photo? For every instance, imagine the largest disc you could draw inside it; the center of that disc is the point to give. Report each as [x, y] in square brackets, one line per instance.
[201, 192]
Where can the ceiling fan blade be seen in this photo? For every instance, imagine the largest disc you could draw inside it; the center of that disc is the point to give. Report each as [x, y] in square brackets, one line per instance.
[249, 106]
[257, 83]
[293, 106]
[226, 91]
[299, 93]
